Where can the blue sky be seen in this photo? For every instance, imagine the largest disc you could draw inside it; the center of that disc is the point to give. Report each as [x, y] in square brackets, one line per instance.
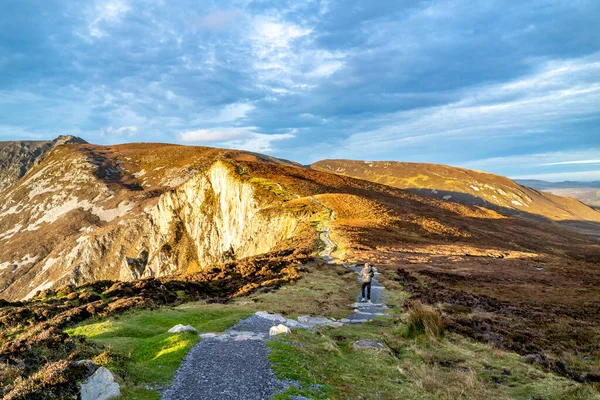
[502, 86]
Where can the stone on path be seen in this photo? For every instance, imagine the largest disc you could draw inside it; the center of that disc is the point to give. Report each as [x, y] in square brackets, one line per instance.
[279, 330]
[368, 344]
[318, 321]
[179, 328]
[100, 386]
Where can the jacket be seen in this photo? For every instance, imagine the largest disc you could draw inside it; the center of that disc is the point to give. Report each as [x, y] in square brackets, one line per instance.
[367, 274]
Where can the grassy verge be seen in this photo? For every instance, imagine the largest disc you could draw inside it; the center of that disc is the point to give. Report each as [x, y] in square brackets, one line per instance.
[327, 366]
[140, 350]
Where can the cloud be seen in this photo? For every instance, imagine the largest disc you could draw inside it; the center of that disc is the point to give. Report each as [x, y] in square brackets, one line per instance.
[106, 12]
[563, 176]
[243, 138]
[219, 20]
[123, 130]
[574, 162]
[215, 134]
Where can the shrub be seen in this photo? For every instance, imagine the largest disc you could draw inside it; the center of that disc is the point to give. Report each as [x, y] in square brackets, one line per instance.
[424, 320]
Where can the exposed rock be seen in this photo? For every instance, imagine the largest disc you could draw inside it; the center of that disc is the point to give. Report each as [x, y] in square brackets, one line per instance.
[179, 328]
[279, 330]
[368, 344]
[100, 386]
[319, 321]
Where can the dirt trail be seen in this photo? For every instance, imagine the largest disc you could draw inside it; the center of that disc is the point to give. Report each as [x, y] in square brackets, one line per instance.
[235, 364]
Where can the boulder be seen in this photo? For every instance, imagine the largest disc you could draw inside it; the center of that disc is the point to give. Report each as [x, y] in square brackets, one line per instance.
[279, 330]
[100, 386]
[179, 328]
[368, 344]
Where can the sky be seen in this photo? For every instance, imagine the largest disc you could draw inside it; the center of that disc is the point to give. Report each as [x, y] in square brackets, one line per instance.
[509, 87]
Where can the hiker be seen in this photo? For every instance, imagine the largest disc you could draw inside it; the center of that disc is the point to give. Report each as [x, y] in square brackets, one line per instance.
[366, 276]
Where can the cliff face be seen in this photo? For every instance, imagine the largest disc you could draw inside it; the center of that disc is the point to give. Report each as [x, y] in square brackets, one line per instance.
[78, 224]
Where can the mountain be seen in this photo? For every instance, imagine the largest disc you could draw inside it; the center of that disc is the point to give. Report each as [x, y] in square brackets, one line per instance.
[586, 192]
[16, 158]
[86, 212]
[470, 187]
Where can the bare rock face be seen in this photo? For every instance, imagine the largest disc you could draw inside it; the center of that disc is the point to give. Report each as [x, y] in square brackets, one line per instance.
[84, 214]
[100, 386]
[16, 158]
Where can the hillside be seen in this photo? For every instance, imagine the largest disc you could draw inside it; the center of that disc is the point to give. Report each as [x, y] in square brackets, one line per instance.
[16, 158]
[470, 187]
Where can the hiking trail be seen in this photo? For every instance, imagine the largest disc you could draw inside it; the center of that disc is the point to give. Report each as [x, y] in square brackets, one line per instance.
[234, 364]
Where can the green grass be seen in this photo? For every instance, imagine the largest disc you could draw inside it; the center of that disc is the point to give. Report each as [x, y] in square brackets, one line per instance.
[326, 365]
[144, 354]
[274, 188]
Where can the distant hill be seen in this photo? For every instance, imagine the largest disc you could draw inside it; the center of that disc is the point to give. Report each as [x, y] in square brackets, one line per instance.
[587, 192]
[466, 187]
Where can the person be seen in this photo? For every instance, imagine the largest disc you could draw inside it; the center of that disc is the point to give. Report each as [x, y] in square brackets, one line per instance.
[366, 276]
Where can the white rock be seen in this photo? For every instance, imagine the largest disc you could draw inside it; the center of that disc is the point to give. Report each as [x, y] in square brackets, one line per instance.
[182, 328]
[279, 330]
[318, 321]
[100, 386]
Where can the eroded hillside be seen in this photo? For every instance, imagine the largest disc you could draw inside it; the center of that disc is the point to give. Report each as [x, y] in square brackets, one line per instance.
[88, 213]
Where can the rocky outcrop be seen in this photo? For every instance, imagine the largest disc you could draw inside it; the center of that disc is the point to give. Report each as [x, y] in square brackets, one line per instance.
[215, 216]
[16, 158]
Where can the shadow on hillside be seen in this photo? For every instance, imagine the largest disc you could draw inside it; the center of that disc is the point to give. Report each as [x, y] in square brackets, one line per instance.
[109, 170]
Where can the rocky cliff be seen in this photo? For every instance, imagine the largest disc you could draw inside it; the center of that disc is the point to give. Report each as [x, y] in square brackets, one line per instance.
[16, 158]
[86, 213]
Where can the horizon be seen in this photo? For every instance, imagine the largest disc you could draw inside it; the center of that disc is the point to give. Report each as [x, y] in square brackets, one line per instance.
[509, 89]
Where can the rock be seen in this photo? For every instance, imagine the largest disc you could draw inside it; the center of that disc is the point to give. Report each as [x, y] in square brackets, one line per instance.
[281, 319]
[368, 344]
[179, 328]
[279, 330]
[318, 321]
[100, 386]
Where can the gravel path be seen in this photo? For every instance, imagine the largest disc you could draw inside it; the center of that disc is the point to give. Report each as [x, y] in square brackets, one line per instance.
[235, 364]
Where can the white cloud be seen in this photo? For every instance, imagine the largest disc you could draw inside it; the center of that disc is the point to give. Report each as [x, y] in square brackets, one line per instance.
[106, 11]
[285, 55]
[563, 176]
[561, 92]
[123, 130]
[243, 138]
[229, 113]
[575, 162]
[215, 134]
[538, 159]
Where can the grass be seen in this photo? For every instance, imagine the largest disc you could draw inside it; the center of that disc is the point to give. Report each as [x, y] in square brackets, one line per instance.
[274, 188]
[142, 351]
[424, 320]
[324, 290]
[324, 363]
[421, 367]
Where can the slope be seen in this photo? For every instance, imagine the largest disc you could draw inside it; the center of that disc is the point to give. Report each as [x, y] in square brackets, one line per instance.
[467, 187]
